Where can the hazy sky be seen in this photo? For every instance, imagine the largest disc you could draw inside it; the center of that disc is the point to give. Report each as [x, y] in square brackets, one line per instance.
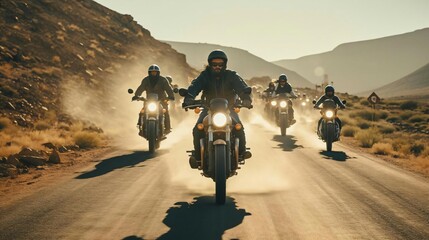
[275, 29]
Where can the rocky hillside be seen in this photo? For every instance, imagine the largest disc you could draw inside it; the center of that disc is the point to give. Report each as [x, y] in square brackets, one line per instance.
[245, 63]
[48, 46]
[361, 66]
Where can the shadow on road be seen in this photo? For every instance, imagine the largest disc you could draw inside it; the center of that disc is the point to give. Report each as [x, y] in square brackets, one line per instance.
[202, 219]
[334, 155]
[287, 143]
[111, 164]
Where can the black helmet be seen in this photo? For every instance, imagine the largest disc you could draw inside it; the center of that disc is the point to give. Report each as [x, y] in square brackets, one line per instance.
[283, 77]
[217, 54]
[329, 88]
[154, 67]
[169, 78]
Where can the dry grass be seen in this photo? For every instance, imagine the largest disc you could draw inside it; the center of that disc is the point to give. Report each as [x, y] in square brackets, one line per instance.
[349, 131]
[386, 128]
[370, 115]
[382, 149]
[367, 138]
[364, 124]
[86, 140]
[418, 118]
[42, 125]
[4, 123]
[7, 70]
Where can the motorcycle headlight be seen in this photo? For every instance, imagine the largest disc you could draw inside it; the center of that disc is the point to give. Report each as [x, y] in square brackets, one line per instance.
[219, 119]
[283, 104]
[151, 107]
[303, 103]
[329, 114]
[273, 103]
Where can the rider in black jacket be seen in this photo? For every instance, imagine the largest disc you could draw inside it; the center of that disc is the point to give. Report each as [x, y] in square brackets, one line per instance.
[218, 82]
[154, 83]
[330, 94]
[284, 87]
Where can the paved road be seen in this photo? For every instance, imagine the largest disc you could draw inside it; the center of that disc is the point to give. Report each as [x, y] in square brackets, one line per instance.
[290, 189]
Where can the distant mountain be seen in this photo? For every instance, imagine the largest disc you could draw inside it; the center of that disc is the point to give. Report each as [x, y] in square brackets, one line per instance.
[360, 66]
[50, 50]
[245, 63]
[414, 84]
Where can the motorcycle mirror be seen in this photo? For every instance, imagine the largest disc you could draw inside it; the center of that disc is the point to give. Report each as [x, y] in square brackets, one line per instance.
[130, 91]
[314, 101]
[175, 90]
[183, 92]
[344, 101]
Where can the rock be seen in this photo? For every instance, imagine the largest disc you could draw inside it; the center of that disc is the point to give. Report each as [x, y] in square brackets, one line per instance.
[54, 157]
[13, 159]
[49, 145]
[33, 161]
[63, 149]
[8, 170]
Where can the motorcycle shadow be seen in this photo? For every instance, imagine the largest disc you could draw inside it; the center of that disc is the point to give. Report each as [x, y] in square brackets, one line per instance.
[202, 219]
[335, 155]
[287, 143]
[118, 162]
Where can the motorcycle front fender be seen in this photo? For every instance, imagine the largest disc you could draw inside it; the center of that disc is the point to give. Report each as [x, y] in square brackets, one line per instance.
[219, 142]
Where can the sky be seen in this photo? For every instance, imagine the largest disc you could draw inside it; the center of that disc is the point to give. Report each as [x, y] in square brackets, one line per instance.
[275, 29]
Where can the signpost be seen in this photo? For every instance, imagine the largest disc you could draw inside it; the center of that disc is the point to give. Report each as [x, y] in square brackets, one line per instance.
[373, 99]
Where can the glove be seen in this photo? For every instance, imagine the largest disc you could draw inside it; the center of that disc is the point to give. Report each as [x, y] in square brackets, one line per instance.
[188, 101]
[247, 103]
[134, 98]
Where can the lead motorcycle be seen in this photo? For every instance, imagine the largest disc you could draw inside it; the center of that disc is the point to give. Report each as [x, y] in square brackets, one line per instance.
[280, 104]
[220, 147]
[151, 120]
[329, 129]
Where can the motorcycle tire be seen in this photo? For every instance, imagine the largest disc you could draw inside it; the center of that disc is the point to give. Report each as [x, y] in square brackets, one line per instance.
[220, 173]
[151, 136]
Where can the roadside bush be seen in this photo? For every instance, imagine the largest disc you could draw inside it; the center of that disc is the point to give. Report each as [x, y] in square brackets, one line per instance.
[4, 123]
[363, 124]
[382, 148]
[368, 138]
[364, 102]
[349, 131]
[86, 140]
[394, 118]
[409, 105]
[370, 114]
[386, 129]
[417, 148]
[417, 118]
[42, 125]
[406, 115]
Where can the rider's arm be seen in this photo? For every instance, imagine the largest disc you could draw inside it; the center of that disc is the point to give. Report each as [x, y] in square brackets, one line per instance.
[337, 100]
[241, 87]
[320, 101]
[141, 88]
[196, 86]
[168, 90]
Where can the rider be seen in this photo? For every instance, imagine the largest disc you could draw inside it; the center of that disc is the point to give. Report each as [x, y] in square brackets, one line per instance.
[154, 83]
[330, 94]
[218, 82]
[269, 91]
[284, 87]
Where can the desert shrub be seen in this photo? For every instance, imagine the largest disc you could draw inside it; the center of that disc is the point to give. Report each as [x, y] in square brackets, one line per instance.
[409, 105]
[347, 121]
[349, 131]
[382, 148]
[4, 123]
[364, 102]
[386, 129]
[87, 140]
[417, 148]
[406, 115]
[363, 124]
[42, 125]
[394, 118]
[368, 137]
[370, 114]
[417, 118]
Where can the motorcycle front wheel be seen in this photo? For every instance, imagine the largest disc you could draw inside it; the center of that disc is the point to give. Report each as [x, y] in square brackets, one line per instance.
[151, 136]
[220, 173]
[330, 130]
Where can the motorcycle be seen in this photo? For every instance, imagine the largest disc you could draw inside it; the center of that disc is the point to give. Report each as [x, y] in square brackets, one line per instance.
[151, 120]
[220, 147]
[280, 106]
[329, 129]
